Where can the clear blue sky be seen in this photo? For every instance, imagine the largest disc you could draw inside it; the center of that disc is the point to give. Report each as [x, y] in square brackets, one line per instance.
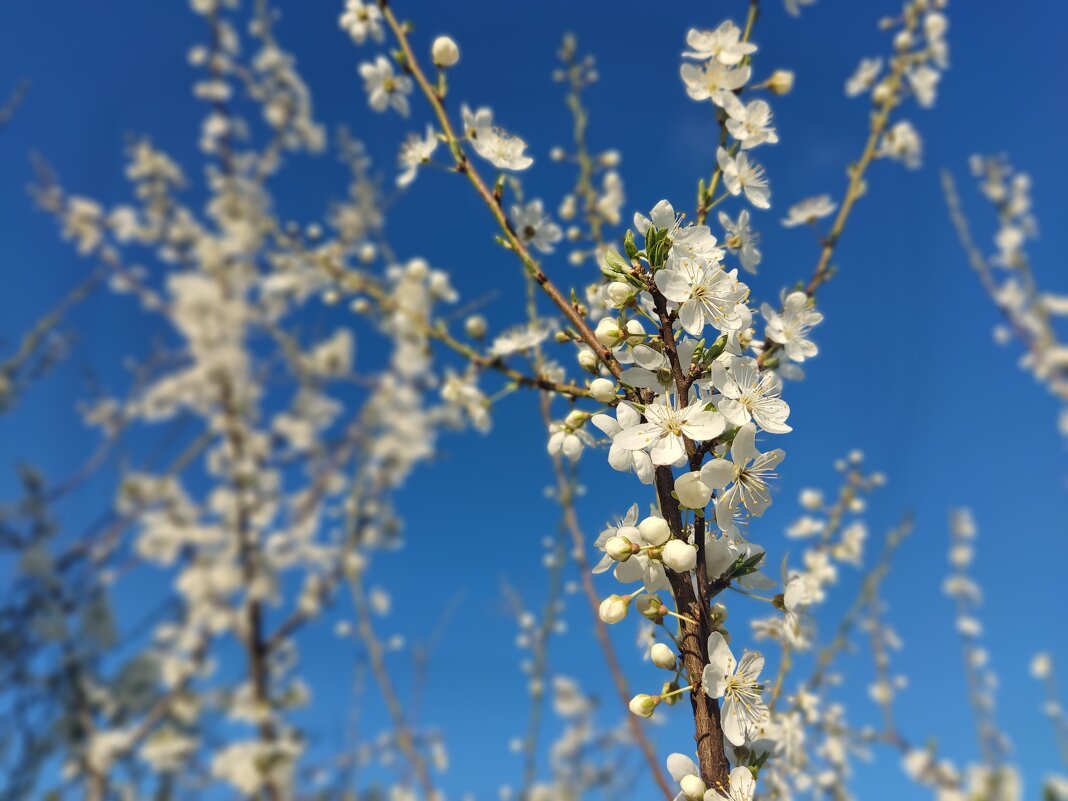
[908, 370]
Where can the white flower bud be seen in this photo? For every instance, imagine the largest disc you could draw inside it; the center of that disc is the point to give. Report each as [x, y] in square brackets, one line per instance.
[679, 556]
[613, 608]
[475, 326]
[654, 530]
[811, 499]
[368, 253]
[445, 52]
[935, 25]
[691, 491]
[610, 158]
[650, 606]
[635, 331]
[882, 93]
[781, 82]
[588, 360]
[576, 418]
[620, 292]
[608, 333]
[719, 612]
[662, 656]
[603, 390]
[558, 154]
[642, 705]
[619, 548]
[1041, 666]
[693, 787]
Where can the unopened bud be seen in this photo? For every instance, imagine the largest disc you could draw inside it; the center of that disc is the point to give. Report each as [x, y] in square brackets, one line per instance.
[662, 656]
[610, 158]
[643, 705]
[367, 253]
[588, 361]
[620, 293]
[613, 608]
[445, 52]
[635, 331]
[608, 333]
[475, 326]
[781, 82]
[654, 530]
[679, 556]
[693, 787]
[603, 390]
[576, 418]
[619, 548]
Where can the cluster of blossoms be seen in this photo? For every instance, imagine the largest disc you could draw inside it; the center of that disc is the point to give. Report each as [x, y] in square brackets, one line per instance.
[684, 378]
[280, 498]
[921, 55]
[1031, 315]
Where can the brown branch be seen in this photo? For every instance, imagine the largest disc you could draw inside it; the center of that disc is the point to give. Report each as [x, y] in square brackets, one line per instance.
[464, 166]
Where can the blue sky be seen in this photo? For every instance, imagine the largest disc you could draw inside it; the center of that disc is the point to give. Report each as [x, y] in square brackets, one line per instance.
[908, 370]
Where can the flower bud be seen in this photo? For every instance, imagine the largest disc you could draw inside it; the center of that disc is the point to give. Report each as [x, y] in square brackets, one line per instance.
[620, 293]
[588, 361]
[654, 530]
[558, 154]
[635, 331]
[691, 491]
[610, 158]
[693, 787]
[475, 326]
[445, 52]
[608, 333]
[662, 656]
[781, 82]
[882, 93]
[643, 705]
[679, 556]
[613, 608]
[603, 390]
[619, 548]
[576, 418]
[811, 499]
[651, 608]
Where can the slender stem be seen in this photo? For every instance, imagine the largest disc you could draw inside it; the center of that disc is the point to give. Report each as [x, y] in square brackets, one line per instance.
[376, 657]
[492, 201]
[855, 187]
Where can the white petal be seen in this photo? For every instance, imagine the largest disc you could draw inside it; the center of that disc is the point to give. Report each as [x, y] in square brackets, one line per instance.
[717, 473]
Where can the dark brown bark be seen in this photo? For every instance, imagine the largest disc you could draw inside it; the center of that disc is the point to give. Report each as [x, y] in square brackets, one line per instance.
[693, 642]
